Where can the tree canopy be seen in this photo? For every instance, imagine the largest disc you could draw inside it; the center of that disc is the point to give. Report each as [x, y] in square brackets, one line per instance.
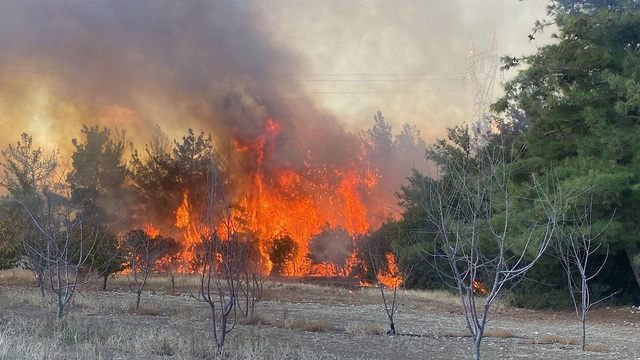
[581, 98]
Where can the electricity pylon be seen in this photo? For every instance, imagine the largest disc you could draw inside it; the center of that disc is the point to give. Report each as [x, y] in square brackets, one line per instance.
[482, 87]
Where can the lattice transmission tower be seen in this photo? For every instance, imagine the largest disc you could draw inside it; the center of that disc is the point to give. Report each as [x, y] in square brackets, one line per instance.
[482, 86]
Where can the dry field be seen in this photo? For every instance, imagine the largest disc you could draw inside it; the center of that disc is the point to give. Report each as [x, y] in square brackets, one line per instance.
[294, 321]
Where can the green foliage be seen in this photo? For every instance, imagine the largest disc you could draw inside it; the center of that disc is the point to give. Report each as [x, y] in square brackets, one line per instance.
[110, 256]
[97, 166]
[164, 172]
[26, 168]
[581, 98]
[545, 286]
[28, 176]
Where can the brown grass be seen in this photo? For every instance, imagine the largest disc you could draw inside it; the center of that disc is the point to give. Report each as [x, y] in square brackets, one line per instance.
[499, 333]
[493, 333]
[252, 320]
[552, 339]
[144, 310]
[596, 348]
[312, 326]
[370, 329]
[102, 324]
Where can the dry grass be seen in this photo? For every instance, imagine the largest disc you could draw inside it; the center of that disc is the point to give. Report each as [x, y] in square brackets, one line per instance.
[596, 348]
[17, 277]
[552, 339]
[150, 311]
[493, 333]
[499, 333]
[441, 296]
[102, 325]
[317, 326]
[364, 330]
[252, 320]
[312, 326]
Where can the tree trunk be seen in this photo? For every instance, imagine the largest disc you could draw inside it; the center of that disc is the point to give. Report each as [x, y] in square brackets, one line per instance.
[476, 348]
[60, 307]
[632, 251]
[138, 299]
[105, 276]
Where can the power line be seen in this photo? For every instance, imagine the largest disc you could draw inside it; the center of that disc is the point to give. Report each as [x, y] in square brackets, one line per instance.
[32, 71]
[377, 74]
[377, 92]
[381, 80]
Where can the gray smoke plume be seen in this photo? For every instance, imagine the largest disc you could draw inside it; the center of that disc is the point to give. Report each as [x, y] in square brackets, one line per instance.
[201, 64]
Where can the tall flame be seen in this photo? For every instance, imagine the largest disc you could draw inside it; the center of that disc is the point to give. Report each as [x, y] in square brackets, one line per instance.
[280, 200]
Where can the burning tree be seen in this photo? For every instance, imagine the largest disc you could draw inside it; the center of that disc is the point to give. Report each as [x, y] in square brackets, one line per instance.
[471, 204]
[332, 253]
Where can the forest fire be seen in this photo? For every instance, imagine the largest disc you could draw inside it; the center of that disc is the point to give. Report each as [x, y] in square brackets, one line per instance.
[279, 201]
[290, 201]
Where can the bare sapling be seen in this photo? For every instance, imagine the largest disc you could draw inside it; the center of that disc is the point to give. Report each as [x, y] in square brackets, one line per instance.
[390, 281]
[223, 255]
[28, 174]
[251, 282]
[144, 253]
[470, 207]
[61, 243]
[577, 241]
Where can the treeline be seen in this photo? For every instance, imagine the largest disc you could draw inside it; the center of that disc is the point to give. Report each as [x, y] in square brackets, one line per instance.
[118, 189]
[569, 119]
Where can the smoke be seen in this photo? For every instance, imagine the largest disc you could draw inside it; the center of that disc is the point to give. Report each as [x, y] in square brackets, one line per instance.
[183, 63]
[200, 64]
[406, 58]
[225, 66]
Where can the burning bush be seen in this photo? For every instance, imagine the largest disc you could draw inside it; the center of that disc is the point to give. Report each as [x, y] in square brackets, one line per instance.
[282, 251]
[332, 253]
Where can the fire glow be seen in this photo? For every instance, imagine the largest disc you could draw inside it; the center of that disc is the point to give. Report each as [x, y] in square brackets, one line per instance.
[278, 201]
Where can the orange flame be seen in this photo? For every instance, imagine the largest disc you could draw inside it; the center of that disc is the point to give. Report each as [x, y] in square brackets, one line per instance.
[280, 200]
[151, 230]
[273, 200]
[392, 278]
[478, 288]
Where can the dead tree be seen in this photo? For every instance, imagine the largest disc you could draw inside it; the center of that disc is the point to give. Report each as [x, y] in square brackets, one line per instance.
[144, 253]
[578, 239]
[29, 173]
[384, 265]
[222, 262]
[471, 209]
[390, 282]
[60, 246]
[250, 284]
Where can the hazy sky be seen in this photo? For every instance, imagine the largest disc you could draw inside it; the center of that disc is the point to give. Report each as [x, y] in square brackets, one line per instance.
[223, 65]
[429, 40]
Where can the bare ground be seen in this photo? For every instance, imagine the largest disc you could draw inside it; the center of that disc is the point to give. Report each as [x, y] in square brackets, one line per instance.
[297, 321]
